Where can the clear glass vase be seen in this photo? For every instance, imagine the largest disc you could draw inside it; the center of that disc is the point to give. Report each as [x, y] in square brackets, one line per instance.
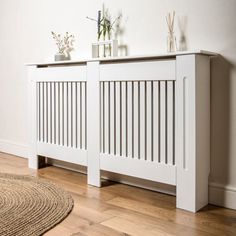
[171, 42]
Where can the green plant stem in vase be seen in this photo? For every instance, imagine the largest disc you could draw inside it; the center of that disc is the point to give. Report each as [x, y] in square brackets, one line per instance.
[104, 38]
[99, 28]
[104, 30]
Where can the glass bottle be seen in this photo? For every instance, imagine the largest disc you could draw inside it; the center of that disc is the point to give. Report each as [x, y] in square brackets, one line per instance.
[171, 42]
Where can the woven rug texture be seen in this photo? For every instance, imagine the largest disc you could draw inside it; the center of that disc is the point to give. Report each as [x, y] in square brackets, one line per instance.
[30, 206]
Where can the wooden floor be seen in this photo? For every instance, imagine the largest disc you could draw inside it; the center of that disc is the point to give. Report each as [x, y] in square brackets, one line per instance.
[118, 209]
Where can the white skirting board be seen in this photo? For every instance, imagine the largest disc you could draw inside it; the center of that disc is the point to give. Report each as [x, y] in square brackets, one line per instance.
[13, 148]
[222, 195]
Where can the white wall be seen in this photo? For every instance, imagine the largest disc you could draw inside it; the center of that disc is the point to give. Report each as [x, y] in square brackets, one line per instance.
[25, 27]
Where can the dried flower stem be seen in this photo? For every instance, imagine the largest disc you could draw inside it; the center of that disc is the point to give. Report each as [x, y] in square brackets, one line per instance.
[64, 44]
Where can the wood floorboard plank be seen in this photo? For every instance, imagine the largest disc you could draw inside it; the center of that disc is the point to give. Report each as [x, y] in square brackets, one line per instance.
[206, 222]
[99, 230]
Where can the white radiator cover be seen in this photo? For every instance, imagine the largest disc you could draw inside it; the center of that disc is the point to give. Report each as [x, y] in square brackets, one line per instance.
[146, 117]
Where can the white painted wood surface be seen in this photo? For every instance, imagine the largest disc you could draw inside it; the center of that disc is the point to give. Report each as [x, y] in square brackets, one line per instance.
[33, 118]
[138, 168]
[159, 56]
[93, 124]
[147, 117]
[192, 131]
[156, 122]
[76, 156]
[72, 73]
[133, 71]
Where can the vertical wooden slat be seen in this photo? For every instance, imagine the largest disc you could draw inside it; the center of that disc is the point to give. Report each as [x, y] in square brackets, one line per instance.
[174, 128]
[69, 114]
[112, 113]
[78, 115]
[101, 116]
[49, 111]
[109, 117]
[123, 118]
[142, 143]
[156, 121]
[61, 113]
[126, 112]
[149, 128]
[170, 115]
[118, 119]
[53, 112]
[66, 113]
[74, 116]
[163, 121]
[135, 120]
[56, 113]
[38, 112]
[45, 112]
[41, 113]
[83, 114]
[115, 118]
[106, 117]
[129, 119]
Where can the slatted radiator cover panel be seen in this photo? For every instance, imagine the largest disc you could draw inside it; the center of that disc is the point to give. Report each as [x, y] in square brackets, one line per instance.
[137, 120]
[62, 120]
[137, 128]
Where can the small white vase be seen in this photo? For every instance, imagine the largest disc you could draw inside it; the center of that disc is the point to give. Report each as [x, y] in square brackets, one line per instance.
[61, 57]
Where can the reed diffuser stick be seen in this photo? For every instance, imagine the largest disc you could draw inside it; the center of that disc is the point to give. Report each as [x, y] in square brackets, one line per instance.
[171, 41]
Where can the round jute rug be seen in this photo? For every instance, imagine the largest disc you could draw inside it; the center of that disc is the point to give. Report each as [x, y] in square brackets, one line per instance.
[30, 206]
